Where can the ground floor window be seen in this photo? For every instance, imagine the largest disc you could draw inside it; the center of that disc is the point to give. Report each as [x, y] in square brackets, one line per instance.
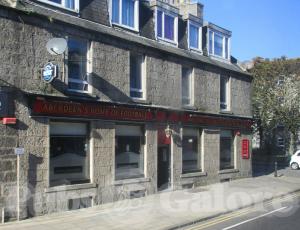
[69, 153]
[226, 150]
[191, 154]
[129, 160]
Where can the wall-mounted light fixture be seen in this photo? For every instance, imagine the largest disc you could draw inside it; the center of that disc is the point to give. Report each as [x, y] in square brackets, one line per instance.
[168, 132]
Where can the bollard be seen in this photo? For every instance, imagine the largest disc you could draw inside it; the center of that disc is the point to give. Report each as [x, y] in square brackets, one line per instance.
[275, 171]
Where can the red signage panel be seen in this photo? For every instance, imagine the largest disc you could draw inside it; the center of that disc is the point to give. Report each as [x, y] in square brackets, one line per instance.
[245, 149]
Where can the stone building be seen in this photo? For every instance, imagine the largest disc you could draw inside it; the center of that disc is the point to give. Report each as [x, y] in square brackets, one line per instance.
[145, 97]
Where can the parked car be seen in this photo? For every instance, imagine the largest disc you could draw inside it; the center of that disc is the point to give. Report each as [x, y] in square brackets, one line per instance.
[295, 160]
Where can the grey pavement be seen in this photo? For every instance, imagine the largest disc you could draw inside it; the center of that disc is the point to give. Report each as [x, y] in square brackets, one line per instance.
[170, 209]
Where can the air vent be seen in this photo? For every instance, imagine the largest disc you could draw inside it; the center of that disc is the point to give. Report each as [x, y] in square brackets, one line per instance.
[78, 203]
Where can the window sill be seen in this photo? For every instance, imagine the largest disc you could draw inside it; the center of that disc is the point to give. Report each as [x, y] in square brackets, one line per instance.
[226, 111]
[140, 100]
[194, 174]
[127, 28]
[132, 181]
[59, 6]
[227, 171]
[167, 41]
[71, 92]
[62, 188]
[189, 107]
[195, 50]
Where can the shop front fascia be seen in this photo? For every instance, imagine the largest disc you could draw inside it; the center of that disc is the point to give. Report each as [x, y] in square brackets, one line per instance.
[122, 150]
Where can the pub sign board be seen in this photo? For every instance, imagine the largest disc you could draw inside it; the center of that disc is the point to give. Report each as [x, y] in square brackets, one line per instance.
[56, 108]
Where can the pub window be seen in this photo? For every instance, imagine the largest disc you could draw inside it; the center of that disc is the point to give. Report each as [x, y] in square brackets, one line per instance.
[191, 154]
[69, 153]
[226, 150]
[79, 65]
[137, 76]
[129, 150]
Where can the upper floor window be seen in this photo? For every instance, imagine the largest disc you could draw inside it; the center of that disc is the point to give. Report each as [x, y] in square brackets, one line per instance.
[78, 65]
[137, 76]
[166, 26]
[67, 4]
[125, 13]
[187, 86]
[194, 36]
[218, 45]
[224, 93]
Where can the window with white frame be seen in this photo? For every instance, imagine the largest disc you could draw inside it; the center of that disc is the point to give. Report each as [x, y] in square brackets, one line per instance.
[187, 86]
[166, 26]
[137, 76]
[125, 13]
[78, 65]
[218, 45]
[227, 156]
[194, 32]
[69, 159]
[224, 92]
[67, 4]
[129, 150]
[191, 154]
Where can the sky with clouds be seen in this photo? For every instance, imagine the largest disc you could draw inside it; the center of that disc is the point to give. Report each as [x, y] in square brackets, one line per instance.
[265, 28]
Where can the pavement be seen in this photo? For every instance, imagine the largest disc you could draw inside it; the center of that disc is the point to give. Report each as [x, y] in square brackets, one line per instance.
[171, 209]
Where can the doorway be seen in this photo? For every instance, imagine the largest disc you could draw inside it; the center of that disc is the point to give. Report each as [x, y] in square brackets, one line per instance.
[163, 168]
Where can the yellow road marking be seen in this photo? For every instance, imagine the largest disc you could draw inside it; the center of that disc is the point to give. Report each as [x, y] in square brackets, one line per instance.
[221, 219]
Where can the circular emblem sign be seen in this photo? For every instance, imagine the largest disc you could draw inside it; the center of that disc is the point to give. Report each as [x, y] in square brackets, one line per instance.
[49, 72]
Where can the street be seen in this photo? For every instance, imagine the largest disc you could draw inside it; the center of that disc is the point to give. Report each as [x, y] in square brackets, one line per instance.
[282, 213]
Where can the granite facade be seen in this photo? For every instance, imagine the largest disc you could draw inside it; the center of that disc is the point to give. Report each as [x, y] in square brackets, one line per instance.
[22, 56]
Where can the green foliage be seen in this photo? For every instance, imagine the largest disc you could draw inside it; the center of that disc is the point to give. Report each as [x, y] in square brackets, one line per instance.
[276, 94]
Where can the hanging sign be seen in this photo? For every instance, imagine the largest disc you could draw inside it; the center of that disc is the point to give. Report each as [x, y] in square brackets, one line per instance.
[49, 72]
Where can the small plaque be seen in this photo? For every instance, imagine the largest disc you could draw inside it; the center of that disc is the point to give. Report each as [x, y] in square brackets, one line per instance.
[19, 151]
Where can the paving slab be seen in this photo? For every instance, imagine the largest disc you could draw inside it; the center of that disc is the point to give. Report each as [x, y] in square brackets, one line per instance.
[167, 210]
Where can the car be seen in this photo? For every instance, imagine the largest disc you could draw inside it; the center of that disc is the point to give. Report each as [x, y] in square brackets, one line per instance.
[295, 160]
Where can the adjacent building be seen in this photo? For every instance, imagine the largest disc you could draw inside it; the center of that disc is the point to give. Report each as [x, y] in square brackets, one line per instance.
[145, 97]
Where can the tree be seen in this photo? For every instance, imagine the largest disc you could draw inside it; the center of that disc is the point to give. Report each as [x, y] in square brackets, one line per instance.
[276, 97]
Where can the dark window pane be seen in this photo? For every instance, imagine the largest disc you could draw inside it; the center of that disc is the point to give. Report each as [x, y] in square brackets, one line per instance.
[190, 155]
[128, 13]
[169, 27]
[218, 45]
[69, 160]
[226, 48]
[186, 86]
[223, 92]
[210, 42]
[226, 151]
[159, 24]
[194, 37]
[129, 157]
[77, 61]
[55, 1]
[115, 11]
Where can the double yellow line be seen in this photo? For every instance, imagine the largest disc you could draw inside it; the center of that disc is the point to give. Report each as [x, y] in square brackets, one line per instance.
[242, 212]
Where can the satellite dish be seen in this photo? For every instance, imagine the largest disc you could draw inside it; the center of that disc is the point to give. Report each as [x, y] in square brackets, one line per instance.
[56, 46]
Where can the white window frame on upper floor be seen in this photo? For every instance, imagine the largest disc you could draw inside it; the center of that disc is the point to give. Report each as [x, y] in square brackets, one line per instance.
[227, 102]
[175, 16]
[223, 44]
[141, 61]
[88, 69]
[191, 87]
[62, 5]
[136, 16]
[199, 36]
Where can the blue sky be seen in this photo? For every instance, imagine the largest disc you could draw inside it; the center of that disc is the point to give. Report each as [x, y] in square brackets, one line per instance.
[265, 28]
